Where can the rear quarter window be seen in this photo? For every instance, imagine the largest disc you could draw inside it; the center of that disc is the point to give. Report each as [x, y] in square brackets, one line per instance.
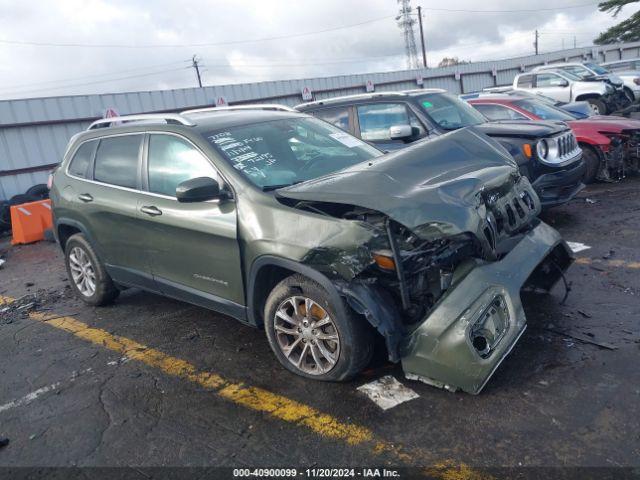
[525, 81]
[79, 165]
[117, 160]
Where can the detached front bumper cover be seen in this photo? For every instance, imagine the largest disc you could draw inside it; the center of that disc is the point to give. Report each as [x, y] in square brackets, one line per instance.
[477, 323]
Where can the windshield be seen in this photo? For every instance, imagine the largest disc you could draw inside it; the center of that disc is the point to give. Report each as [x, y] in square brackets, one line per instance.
[543, 110]
[597, 68]
[449, 112]
[279, 153]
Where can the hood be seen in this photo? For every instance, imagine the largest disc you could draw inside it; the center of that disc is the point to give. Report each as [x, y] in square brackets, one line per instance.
[522, 129]
[580, 109]
[603, 123]
[437, 182]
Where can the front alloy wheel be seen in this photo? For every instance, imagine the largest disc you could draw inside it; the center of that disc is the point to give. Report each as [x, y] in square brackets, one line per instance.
[314, 334]
[306, 335]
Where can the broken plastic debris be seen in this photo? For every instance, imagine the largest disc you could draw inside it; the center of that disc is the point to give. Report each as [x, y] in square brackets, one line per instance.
[2, 262]
[588, 200]
[577, 246]
[387, 392]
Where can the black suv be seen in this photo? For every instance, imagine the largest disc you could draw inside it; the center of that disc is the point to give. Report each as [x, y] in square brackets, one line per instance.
[546, 152]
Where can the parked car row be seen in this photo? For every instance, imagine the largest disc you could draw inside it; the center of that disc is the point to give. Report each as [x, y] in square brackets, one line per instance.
[606, 92]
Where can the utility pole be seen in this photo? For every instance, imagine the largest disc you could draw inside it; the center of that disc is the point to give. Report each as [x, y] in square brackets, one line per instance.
[424, 52]
[195, 65]
[535, 43]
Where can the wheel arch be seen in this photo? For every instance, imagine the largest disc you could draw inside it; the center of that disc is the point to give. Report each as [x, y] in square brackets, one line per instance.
[66, 227]
[268, 270]
[587, 96]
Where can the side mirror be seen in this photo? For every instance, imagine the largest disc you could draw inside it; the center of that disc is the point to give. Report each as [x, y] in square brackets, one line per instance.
[399, 132]
[564, 83]
[198, 189]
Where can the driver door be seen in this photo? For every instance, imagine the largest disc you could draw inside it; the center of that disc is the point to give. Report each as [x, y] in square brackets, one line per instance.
[193, 247]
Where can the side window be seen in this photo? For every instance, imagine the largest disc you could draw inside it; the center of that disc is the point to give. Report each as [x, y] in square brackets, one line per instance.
[577, 70]
[80, 162]
[376, 120]
[498, 112]
[525, 81]
[549, 80]
[338, 117]
[172, 161]
[117, 160]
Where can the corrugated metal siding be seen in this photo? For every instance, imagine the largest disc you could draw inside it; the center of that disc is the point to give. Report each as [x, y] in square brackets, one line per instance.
[34, 132]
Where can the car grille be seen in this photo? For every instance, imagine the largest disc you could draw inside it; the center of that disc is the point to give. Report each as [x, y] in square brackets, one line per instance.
[567, 146]
[511, 212]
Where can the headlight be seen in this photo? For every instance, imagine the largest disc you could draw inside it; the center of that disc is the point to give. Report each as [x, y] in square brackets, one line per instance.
[543, 149]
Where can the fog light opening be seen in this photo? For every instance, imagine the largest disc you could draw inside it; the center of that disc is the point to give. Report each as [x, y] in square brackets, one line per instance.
[481, 344]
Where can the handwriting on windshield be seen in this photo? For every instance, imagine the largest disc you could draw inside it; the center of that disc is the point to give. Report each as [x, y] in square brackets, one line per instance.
[241, 153]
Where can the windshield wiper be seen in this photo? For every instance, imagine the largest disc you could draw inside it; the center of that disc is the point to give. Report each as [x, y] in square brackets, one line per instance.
[269, 188]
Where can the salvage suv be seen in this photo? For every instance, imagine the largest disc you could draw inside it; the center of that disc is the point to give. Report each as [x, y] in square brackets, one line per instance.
[285, 222]
[546, 152]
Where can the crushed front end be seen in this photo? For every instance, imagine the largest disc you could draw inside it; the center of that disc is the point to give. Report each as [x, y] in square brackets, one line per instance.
[463, 340]
[453, 236]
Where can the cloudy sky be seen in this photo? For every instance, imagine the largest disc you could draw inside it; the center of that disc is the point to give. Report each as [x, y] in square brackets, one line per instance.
[95, 46]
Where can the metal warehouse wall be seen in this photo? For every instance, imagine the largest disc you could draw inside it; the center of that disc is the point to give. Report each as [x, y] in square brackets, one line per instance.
[34, 132]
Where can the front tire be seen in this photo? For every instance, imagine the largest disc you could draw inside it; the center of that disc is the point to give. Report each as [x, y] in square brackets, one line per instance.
[592, 164]
[309, 337]
[87, 275]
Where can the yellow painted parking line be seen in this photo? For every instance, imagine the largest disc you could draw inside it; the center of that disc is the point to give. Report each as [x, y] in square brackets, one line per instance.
[608, 263]
[254, 398]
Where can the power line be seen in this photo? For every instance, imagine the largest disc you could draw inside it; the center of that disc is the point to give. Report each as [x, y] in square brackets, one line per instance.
[101, 75]
[21, 92]
[279, 37]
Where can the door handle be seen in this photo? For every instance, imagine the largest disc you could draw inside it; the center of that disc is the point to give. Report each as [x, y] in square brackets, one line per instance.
[85, 197]
[151, 210]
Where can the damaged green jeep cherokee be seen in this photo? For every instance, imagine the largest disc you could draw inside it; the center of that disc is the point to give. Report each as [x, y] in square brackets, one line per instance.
[285, 222]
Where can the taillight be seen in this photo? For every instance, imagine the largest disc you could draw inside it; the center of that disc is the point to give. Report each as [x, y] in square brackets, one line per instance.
[50, 178]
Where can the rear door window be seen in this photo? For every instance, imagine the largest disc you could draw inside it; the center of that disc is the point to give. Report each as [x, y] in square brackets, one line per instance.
[549, 80]
[117, 160]
[173, 160]
[80, 162]
[338, 116]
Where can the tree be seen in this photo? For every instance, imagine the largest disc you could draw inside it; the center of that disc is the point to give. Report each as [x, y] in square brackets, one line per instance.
[626, 31]
[452, 61]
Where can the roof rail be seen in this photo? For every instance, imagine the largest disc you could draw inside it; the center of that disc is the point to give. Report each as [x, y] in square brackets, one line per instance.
[253, 106]
[356, 96]
[173, 118]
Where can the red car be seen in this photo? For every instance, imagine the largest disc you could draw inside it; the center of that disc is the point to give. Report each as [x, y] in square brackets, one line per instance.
[610, 145]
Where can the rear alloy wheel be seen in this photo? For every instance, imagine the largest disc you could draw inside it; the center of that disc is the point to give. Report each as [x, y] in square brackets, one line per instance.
[89, 279]
[312, 337]
[597, 106]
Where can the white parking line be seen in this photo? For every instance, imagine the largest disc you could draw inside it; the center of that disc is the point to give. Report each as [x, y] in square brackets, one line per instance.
[29, 397]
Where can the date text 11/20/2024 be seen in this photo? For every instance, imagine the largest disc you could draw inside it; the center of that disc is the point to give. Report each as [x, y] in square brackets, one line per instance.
[316, 472]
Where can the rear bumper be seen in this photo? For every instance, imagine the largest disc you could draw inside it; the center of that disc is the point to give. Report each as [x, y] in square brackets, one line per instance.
[442, 350]
[559, 187]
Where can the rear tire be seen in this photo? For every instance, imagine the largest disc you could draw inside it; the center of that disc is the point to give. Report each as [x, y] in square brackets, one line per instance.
[87, 275]
[597, 106]
[592, 164]
[309, 338]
